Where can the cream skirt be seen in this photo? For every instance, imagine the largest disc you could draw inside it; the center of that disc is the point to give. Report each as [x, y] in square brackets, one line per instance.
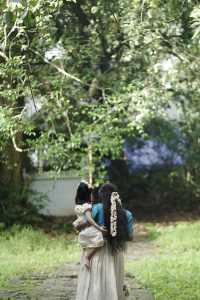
[105, 278]
[90, 237]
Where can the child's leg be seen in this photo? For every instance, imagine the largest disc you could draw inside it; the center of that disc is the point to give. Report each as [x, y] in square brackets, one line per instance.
[88, 253]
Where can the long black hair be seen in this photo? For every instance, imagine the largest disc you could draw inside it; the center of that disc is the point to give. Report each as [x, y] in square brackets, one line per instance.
[117, 242]
[83, 193]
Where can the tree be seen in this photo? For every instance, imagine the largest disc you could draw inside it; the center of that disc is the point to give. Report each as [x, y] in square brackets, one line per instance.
[103, 71]
[99, 94]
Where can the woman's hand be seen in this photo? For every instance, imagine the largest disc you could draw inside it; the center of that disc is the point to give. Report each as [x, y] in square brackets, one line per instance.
[130, 237]
[104, 230]
[82, 225]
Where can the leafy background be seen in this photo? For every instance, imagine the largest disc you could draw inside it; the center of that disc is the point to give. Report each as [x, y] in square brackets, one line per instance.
[91, 85]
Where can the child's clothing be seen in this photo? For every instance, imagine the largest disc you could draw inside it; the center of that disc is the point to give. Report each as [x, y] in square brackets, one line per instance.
[89, 237]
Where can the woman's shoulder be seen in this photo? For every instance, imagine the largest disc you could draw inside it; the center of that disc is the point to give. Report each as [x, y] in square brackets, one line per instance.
[128, 212]
[97, 205]
[96, 208]
[98, 213]
[129, 215]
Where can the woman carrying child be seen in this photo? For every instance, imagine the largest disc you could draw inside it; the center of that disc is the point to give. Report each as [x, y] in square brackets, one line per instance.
[104, 280]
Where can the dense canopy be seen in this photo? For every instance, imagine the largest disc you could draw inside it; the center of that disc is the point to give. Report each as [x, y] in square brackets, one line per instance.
[83, 81]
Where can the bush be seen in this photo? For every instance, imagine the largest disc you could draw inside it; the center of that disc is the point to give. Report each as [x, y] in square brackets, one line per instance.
[19, 204]
[2, 226]
[163, 188]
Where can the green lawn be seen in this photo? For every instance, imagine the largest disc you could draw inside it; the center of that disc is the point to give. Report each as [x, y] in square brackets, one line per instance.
[173, 273]
[24, 250]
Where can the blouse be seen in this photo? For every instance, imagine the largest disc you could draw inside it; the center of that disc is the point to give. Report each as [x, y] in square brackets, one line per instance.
[98, 216]
[81, 209]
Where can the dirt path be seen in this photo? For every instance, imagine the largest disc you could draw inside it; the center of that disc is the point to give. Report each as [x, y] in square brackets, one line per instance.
[62, 283]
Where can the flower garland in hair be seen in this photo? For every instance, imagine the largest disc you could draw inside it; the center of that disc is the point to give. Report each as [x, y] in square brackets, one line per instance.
[113, 213]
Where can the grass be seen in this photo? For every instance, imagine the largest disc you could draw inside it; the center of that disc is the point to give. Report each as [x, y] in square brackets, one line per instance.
[25, 250]
[173, 272]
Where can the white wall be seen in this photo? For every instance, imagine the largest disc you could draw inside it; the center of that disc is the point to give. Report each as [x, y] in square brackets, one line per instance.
[60, 191]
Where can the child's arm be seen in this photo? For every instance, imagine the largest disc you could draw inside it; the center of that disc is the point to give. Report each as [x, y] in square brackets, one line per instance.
[92, 222]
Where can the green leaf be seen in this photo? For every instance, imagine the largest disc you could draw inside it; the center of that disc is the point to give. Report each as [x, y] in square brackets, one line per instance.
[8, 17]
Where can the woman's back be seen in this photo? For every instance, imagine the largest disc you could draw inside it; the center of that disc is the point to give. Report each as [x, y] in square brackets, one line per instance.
[105, 278]
[98, 216]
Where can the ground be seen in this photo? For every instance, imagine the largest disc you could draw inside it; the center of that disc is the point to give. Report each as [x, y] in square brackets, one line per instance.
[61, 284]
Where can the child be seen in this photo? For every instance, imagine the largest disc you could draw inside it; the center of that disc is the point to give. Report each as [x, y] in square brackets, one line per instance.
[90, 237]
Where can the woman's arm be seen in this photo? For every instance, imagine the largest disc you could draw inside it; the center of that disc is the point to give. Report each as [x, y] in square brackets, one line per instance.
[92, 222]
[129, 217]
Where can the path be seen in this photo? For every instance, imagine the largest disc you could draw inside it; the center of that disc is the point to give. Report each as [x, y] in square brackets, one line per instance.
[62, 283]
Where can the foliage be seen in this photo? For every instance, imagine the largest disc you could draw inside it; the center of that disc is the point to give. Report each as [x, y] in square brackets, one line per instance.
[159, 189]
[81, 110]
[24, 250]
[61, 225]
[173, 272]
[19, 205]
[102, 73]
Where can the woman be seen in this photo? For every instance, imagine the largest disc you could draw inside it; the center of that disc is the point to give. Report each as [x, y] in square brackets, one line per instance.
[105, 278]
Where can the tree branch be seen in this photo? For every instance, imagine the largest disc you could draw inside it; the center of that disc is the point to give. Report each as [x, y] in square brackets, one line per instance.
[20, 114]
[113, 14]
[15, 144]
[142, 9]
[6, 36]
[103, 116]
[62, 71]
[33, 99]
[180, 15]
[3, 55]
[66, 119]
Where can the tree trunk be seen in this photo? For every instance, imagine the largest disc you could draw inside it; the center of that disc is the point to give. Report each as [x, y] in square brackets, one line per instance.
[11, 169]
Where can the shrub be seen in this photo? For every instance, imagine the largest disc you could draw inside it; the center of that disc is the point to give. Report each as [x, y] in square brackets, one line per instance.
[19, 204]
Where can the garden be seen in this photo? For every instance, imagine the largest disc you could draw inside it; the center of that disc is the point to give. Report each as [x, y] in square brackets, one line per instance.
[105, 91]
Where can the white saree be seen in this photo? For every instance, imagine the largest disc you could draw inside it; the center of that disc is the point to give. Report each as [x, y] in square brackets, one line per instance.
[105, 278]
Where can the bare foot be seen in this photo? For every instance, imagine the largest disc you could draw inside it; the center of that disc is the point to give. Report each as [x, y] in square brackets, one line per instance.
[86, 262]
